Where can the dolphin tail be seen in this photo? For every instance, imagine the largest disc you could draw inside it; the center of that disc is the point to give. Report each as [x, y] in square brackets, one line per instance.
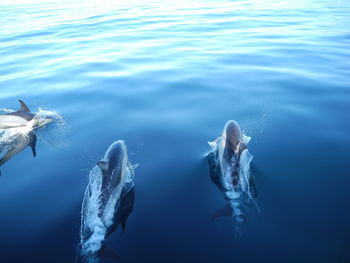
[24, 107]
[33, 144]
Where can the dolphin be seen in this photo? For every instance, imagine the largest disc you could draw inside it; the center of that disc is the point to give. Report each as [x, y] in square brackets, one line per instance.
[114, 173]
[108, 201]
[229, 168]
[17, 131]
[18, 118]
[21, 118]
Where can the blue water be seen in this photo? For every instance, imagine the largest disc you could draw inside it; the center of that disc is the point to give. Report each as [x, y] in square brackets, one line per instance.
[165, 76]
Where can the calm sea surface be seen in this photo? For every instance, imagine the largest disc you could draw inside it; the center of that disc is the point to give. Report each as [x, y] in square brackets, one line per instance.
[165, 76]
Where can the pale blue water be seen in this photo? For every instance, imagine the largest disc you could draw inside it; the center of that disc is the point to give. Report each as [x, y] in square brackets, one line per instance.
[165, 76]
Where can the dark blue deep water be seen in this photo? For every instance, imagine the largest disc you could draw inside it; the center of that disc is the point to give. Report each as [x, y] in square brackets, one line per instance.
[165, 76]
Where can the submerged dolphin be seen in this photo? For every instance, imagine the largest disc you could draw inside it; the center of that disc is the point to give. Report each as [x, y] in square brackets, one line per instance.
[17, 131]
[229, 167]
[108, 201]
[114, 173]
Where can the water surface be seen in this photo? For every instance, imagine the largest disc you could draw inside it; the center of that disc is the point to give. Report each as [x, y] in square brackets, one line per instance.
[165, 76]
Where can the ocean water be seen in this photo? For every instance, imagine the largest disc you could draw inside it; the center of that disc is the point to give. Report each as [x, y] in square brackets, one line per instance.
[165, 76]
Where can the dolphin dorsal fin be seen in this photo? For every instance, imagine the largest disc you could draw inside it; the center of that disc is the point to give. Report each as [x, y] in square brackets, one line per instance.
[103, 165]
[24, 107]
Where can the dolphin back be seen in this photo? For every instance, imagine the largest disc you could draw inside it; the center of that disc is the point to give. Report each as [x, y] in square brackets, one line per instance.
[229, 168]
[108, 200]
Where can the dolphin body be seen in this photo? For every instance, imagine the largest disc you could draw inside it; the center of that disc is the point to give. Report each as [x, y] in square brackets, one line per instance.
[229, 168]
[18, 118]
[16, 143]
[108, 201]
[17, 131]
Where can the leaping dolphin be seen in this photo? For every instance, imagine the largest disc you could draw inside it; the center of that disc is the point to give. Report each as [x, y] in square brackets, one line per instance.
[108, 201]
[229, 167]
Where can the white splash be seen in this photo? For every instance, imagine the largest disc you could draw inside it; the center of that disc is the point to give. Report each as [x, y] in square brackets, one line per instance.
[43, 117]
